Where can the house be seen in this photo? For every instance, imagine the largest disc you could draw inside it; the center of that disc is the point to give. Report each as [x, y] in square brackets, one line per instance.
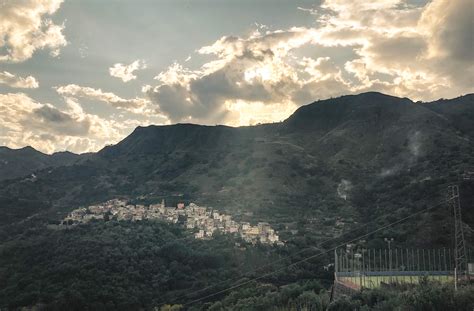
[199, 234]
[245, 225]
[273, 238]
[194, 217]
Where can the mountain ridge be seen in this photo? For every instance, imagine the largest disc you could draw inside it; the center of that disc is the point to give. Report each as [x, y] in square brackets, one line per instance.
[332, 172]
[15, 163]
[442, 101]
[368, 142]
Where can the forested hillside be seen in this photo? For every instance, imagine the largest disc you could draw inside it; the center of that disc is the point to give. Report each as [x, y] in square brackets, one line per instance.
[333, 166]
[23, 162]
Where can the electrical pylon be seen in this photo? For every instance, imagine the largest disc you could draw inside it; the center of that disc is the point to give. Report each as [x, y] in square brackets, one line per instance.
[460, 259]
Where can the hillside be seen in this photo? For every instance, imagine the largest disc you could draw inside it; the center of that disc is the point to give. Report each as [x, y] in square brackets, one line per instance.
[363, 141]
[459, 111]
[333, 165]
[346, 157]
[22, 162]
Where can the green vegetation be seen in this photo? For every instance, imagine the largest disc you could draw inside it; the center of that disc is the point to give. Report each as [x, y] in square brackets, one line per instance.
[432, 296]
[128, 266]
[392, 157]
[429, 296]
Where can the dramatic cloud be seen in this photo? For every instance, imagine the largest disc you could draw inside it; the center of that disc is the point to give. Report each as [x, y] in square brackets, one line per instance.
[409, 44]
[136, 105]
[25, 28]
[423, 52]
[406, 48]
[24, 121]
[448, 28]
[125, 72]
[256, 71]
[18, 82]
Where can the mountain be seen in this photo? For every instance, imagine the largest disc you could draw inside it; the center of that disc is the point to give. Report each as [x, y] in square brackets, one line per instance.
[326, 159]
[343, 165]
[22, 162]
[459, 111]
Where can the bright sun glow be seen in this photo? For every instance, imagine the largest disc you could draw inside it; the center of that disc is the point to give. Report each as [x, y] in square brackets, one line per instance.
[250, 113]
[262, 73]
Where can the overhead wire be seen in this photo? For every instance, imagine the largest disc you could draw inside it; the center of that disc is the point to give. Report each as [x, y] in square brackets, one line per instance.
[317, 255]
[237, 280]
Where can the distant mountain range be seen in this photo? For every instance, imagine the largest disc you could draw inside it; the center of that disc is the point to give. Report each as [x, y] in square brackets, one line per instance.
[356, 156]
[16, 163]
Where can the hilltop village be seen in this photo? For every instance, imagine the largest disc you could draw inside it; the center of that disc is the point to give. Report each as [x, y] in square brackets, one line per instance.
[202, 220]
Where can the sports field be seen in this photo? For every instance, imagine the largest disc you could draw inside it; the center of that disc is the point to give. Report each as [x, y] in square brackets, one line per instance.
[374, 281]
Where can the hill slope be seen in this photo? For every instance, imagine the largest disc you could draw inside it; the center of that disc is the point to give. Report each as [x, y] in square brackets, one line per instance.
[358, 161]
[16, 163]
[353, 157]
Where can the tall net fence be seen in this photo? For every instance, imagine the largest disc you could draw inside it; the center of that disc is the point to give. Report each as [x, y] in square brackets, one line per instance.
[371, 267]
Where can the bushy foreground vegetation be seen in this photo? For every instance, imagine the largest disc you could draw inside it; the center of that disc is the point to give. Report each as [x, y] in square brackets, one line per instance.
[131, 266]
[425, 296]
[429, 296]
[155, 266]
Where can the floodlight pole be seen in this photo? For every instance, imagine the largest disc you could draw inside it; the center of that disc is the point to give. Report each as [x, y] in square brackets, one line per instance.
[460, 258]
[389, 241]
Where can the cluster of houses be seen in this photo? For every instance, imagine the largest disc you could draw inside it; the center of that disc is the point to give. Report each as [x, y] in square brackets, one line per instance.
[203, 221]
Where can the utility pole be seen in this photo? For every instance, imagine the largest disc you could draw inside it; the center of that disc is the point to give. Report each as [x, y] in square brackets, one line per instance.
[389, 241]
[460, 260]
[468, 176]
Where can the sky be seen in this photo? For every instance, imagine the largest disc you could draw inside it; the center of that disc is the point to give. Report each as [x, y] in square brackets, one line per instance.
[77, 75]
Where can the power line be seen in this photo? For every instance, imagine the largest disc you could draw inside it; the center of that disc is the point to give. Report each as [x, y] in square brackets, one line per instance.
[266, 265]
[241, 276]
[274, 262]
[314, 256]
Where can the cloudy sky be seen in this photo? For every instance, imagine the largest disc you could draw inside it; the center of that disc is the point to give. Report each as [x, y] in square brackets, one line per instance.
[78, 75]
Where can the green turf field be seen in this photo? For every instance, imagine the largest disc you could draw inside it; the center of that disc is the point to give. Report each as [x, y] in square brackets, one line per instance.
[375, 281]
